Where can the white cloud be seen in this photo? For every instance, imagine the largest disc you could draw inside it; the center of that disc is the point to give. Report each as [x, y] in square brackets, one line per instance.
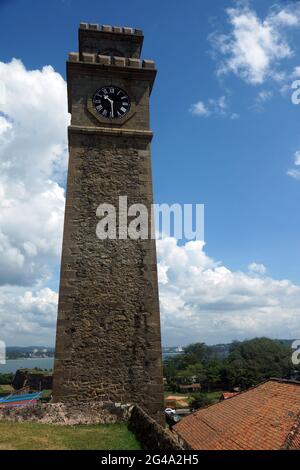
[202, 300]
[217, 107]
[33, 158]
[297, 158]
[296, 72]
[254, 48]
[199, 109]
[262, 97]
[33, 155]
[295, 172]
[27, 318]
[257, 268]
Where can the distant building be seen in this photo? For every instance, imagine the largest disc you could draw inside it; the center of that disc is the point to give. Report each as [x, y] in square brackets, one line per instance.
[265, 417]
[226, 395]
[32, 379]
[191, 388]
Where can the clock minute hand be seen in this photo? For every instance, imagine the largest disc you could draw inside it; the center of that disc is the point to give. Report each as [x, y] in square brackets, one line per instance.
[111, 105]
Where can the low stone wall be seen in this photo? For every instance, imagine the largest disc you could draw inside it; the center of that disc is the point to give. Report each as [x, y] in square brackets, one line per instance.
[151, 435]
[60, 413]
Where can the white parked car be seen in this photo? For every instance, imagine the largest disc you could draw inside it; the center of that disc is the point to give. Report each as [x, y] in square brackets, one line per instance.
[170, 411]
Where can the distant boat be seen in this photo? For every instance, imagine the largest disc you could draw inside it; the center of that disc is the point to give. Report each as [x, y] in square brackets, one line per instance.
[20, 400]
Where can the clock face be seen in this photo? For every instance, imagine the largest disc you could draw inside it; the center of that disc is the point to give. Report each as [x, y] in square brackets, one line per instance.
[111, 102]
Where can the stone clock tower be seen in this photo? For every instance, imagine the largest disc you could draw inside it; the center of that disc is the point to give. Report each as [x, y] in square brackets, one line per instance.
[108, 344]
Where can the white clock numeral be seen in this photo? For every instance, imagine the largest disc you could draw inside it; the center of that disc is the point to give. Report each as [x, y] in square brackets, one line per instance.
[111, 90]
[123, 109]
[104, 113]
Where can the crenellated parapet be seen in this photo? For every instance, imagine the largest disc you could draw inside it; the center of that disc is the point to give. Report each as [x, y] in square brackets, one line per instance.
[108, 60]
[110, 29]
[99, 39]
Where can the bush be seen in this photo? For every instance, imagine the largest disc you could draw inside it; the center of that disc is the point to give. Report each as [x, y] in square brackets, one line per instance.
[199, 400]
[6, 379]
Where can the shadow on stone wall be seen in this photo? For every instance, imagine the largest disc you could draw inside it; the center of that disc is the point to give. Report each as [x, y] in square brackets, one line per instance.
[150, 434]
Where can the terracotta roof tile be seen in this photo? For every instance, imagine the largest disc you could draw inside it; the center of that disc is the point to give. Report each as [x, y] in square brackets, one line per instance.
[265, 417]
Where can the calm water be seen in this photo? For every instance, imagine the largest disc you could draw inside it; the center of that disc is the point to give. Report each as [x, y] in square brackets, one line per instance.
[14, 364]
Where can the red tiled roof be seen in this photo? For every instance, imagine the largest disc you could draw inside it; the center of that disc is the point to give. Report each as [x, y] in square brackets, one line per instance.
[266, 417]
[228, 395]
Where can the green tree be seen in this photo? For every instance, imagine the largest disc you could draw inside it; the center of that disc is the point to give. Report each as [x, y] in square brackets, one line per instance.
[199, 400]
[253, 361]
[6, 379]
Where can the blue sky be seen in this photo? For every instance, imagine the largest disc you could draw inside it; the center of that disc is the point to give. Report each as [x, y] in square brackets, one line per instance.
[226, 131]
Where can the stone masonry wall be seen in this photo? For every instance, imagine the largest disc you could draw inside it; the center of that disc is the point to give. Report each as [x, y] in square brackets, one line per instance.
[108, 333]
[67, 414]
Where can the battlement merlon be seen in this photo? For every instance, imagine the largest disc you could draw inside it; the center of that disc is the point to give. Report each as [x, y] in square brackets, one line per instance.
[110, 40]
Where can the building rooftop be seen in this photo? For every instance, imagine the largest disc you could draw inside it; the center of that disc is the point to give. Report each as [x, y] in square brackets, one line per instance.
[265, 417]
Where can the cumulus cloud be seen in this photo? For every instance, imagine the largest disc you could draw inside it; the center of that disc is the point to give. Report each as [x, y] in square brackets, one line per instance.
[33, 156]
[27, 318]
[203, 300]
[217, 107]
[254, 47]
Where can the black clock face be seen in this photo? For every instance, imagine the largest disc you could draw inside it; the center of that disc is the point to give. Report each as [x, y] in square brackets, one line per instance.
[111, 102]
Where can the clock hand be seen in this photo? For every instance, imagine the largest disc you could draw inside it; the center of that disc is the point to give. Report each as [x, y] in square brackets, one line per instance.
[111, 105]
[107, 98]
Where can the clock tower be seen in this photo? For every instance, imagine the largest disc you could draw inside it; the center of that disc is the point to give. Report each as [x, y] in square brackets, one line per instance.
[108, 344]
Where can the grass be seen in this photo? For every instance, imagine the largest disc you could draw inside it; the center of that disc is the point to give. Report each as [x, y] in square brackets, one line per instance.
[175, 394]
[38, 371]
[215, 396]
[35, 436]
[6, 388]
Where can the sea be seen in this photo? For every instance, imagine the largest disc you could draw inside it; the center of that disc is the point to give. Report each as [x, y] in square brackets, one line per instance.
[12, 365]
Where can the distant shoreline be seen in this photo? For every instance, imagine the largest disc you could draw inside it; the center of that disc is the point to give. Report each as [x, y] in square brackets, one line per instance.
[12, 365]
